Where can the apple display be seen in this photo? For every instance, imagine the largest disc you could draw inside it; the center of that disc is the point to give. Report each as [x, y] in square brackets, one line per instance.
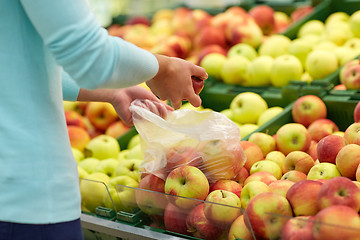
[265, 177]
[259, 70]
[336, 222]
[281, 186]
[102, 147]
[323, 170]
[247, 107]
[303, 197]
[299, 161]
[222, 207]
[321, 128]
[265, 141]
[294, 176]
[267, 220]
[321, 63]
[120, 194]
[307, 109]
[253, 153]
[233, 70]
[292, 137]
[347, 160]
[252, 189]
[328, 147]
[284, 69]
[266, 166]
[186, 182]
[298, 228]
[339, 191]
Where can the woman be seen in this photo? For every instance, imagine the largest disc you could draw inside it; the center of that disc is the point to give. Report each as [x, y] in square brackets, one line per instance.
[47, 47]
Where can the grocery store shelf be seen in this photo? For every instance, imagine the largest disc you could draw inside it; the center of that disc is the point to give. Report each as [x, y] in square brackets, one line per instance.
[120, 230]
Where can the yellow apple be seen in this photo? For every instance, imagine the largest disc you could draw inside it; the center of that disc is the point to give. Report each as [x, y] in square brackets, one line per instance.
[258, 71]
[269, 114]
[213, 63]
[321, 63]
[285, 68]
[233, 70]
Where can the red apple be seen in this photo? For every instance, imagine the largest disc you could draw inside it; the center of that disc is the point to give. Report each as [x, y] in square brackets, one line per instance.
[339, 191]
[312, 150]
[199, 226]
[186, 182]
[294, 176]
[336, 222]
[73, 118]
[117, 129]
[301, 12]
[241, 177]
[101, 114]
[243, 30]
[175, 219]
[198, 84]
[253, 153]
[328, 148]
[351, 77]
[298, 228]
[209, 36]
[149, 195]
[347, 160]
[357, 112]
[264, 17]
[299, 161]
[79, 137]
[262, 176]
[267, 220]
[281, 186]
[229, 185]
[210, 49]
[352, 133]
[321, 128]
[307, 109]
[303, 197]
[138, 20]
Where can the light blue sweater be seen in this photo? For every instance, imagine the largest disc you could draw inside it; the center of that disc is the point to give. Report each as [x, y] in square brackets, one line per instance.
[39, 39]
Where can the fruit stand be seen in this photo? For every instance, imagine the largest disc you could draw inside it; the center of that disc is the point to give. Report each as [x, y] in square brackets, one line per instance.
[290, 85]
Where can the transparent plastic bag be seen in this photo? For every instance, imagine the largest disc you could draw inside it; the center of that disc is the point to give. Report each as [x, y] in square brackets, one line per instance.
[207, 140]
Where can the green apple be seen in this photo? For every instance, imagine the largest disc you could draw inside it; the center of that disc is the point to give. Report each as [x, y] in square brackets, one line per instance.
[102, 147]
[337, 16]
[277, 157]
[267, 166]
[305, 77]
[128, 167]
[338, 32]
[135, 153]
[315, 26]
[188, 105]
[69, 105]
[233, 70]
[265, 141]
[123, 154]
[243, 49]
[269, 114]
[92, 190]
[323, 170]
[275, 45]
[345, 54]
[252, 189]
[355, 23]
[82, 173]
[120, 194]
[312, 39]
[89, 164]
[134, 141]
[107, 166]
[326, 45]
[78, 154]
[213, 63]
[227, 112]
[247, 107]
[300, 48]
[258, 71]
[321, 63]
[285, 68]
[353, 43]
[247, 128]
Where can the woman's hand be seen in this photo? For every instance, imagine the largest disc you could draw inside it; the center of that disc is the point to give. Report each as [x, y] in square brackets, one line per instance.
[173, 81]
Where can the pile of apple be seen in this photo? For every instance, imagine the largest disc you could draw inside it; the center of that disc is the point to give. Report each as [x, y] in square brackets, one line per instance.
[193, 33]
[300, 183]
[319, 50]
